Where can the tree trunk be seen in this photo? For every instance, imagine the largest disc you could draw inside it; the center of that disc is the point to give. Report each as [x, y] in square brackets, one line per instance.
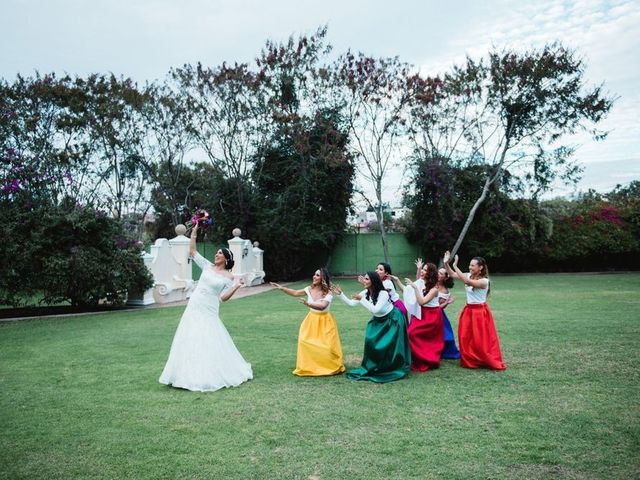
[327, 264]
[383, 237]
[383, 232]
[490, 179]
[470, 217]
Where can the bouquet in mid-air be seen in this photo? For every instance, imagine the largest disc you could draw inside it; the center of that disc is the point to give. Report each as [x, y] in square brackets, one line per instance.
[200, 217]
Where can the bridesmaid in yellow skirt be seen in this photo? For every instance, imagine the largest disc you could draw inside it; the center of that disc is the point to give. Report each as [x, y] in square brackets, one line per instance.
[319, 348]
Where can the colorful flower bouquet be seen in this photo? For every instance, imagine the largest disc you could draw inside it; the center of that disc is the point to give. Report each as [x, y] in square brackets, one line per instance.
[202, 218]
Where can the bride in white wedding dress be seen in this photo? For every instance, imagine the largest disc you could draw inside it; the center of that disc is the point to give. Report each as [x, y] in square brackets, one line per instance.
[203, 357]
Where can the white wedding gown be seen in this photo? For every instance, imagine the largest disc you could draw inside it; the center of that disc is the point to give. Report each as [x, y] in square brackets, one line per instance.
[203, 357]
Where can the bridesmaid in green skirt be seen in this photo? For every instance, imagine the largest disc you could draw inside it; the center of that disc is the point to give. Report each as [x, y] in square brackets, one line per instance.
[386, 346]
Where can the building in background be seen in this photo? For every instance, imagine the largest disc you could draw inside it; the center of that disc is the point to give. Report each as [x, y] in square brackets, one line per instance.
[366, 221]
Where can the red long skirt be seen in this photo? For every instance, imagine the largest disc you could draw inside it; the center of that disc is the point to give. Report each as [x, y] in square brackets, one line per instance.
[426, 339]
[478, 339]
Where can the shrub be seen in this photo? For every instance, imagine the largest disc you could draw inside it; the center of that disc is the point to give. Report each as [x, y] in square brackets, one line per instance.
[73, 253]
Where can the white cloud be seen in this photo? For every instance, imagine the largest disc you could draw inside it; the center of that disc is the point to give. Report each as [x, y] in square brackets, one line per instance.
[605, 34]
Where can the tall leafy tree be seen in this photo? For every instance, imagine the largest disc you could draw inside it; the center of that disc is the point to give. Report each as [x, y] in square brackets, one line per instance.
[376, 97]
[226, 122]
[509, 113]
[169, 142]
[303, 175]
[295, 77]
[44, 140]
[439, 201]
[179, 189]
[41, 146]
[304, 188]
[120, 168]
[50, 173]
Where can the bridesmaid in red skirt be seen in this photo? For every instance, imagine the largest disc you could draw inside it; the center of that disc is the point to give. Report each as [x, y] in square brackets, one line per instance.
[477, 336]
[426, 334]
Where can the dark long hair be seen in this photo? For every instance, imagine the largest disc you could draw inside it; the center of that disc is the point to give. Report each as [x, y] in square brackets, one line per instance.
[386, 267]
[228, 257]
[448, 280]
[325, 283]
[431, 277]
[376, 287]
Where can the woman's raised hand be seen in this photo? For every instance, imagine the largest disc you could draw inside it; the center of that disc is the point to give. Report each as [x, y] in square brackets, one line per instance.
[455, 261]
[335, 288]
[361, 279]
[447, 257]
[419, 263]
[275, 285]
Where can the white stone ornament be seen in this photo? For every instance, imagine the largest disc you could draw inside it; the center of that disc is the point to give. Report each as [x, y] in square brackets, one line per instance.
[172, 271]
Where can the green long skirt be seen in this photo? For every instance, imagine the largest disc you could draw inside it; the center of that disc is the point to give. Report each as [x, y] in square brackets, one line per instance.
[387, 356]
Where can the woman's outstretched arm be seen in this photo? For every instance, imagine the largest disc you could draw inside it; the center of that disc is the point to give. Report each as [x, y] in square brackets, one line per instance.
[289, 291]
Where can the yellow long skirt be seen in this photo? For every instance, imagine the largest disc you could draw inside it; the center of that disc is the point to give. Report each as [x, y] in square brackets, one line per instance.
[319, 348]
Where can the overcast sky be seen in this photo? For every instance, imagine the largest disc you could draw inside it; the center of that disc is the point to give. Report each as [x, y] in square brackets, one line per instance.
[143, 39]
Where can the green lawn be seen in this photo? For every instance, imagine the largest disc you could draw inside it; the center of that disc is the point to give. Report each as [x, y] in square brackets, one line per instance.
[80, 398]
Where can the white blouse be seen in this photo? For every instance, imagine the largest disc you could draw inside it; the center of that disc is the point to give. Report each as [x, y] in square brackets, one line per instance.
[382, 307]
[328, 297]
[389, 287]
[434, 302]
[410, 300]
[476, 295]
